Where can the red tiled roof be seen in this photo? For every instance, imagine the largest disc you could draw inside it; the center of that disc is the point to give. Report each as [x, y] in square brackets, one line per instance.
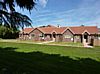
[75, 30]
[50, 30]
[27, 30]
[61, 30]
[82, 29]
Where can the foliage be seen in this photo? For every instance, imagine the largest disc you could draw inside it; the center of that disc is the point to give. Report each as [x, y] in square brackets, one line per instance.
[28, 4]
[11, 18]
[8, 33]
[22, 58]
[20, 19]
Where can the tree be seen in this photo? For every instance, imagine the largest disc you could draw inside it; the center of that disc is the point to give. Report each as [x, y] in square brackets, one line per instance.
[14, 19]
[8, 33]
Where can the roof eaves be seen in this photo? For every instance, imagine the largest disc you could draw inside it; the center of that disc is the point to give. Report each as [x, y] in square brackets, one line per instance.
[37, 29]
[31, 31]
[86, 31]
[40, 30]
[67, 29]
[53, 31]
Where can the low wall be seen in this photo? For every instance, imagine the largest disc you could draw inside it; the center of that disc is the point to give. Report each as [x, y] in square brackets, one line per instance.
[96, 42]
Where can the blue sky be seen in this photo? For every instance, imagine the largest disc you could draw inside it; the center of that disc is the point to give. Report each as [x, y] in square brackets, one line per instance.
[65, 12]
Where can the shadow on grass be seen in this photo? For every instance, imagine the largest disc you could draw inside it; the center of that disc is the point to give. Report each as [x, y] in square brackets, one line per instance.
[12, 62]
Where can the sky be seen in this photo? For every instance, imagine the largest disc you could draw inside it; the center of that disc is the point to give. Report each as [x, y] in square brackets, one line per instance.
[64, 13]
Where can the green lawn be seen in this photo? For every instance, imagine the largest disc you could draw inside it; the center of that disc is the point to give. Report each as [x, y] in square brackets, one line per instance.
[67, 44]
[21, 58]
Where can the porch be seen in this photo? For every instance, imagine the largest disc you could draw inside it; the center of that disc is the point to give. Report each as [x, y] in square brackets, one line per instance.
[53, 37]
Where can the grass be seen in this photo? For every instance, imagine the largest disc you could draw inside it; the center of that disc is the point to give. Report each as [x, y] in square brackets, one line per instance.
[19, 41]
[21, 58]
[67, 43]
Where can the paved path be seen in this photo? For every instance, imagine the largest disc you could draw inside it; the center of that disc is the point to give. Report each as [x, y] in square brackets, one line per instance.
[18, 41]
[45, 42]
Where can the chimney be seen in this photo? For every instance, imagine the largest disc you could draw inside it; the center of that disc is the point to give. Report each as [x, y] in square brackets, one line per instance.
[82, 25]
[58, 26]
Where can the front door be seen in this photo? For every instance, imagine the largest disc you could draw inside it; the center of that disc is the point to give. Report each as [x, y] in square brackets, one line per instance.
[86, 36]
[54, 36]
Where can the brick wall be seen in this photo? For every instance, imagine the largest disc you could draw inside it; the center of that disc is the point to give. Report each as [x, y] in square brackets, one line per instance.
[36, 34]
[96, 42]
[67, 36]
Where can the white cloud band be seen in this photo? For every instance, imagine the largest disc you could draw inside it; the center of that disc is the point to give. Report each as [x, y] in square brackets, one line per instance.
[43, 2]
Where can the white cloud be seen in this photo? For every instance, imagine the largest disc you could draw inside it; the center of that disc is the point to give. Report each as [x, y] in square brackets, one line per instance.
[43, 2]
[87, 13]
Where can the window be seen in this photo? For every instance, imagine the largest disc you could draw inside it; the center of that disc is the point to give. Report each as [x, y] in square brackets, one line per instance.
[32, 35]
[77, 37]
[68, 36]
[41, 35]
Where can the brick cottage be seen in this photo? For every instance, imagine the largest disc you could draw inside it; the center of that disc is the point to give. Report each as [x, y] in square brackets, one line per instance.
[60, 34]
